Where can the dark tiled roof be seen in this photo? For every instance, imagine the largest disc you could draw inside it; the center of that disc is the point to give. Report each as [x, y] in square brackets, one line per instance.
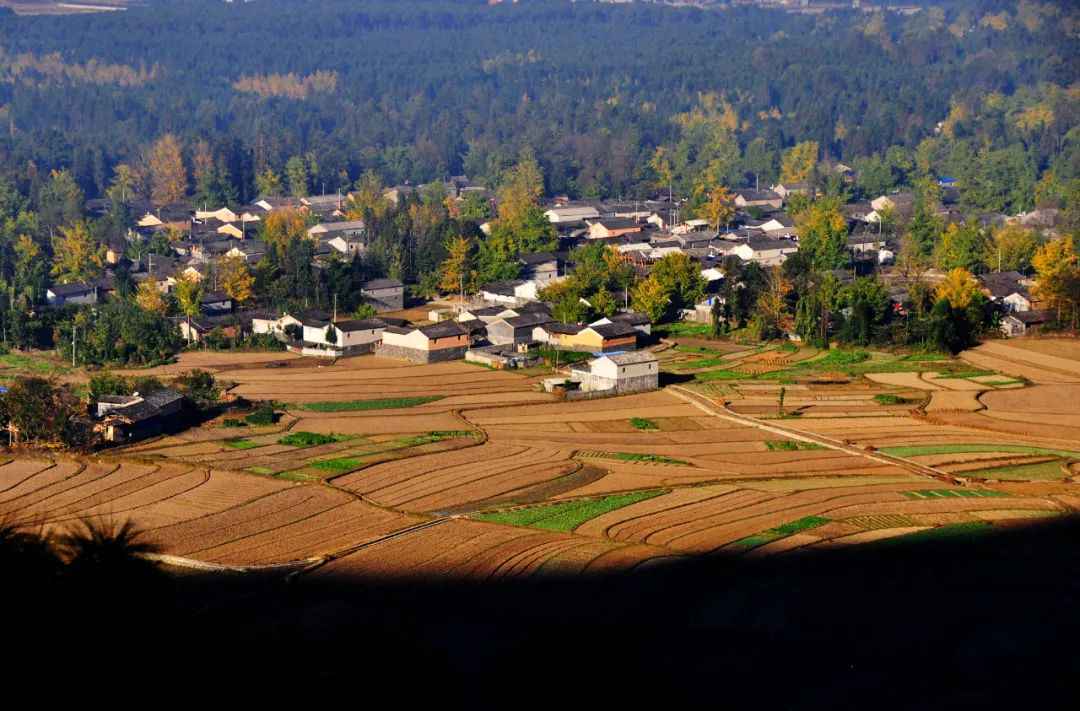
[567, 328]
[528, 320]
[375, 284]
[502, 288]
[538, 258]
[368, 324]
[444, 329]
[617, 223]
[1029, 318]
[614, 330]
[66, 290]
[632, 318]
[1001, 284]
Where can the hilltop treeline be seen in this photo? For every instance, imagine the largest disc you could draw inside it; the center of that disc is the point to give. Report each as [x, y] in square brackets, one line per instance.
[418, 90]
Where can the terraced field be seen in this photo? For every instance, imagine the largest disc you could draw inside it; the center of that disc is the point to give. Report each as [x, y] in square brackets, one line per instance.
[379, 468]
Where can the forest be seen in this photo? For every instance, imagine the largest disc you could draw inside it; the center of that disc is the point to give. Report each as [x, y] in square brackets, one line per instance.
[416, 90]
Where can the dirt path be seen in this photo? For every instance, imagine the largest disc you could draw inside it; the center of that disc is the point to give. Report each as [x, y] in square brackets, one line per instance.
[721, 411]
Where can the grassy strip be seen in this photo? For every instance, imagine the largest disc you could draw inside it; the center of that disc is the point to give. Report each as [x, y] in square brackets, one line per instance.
[955, 494]
[1043, 471]
[310, 439]
[964, 374]
[890, 399]
[240, 443]
[783, 531]
[920, 450]
[355, 460]
[359, 405]
[566, 516]
[265, 471]
[641, 423]
[789, 445]
[634, 457]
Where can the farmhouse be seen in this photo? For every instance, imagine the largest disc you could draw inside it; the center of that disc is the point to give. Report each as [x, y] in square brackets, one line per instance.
[425, 344]
[1021, 323]
[620, 373]
[865, 243]
[571, 215]
[384, 294]
[542, 267]
[342, 338]
[758, 198]
[509, 293]
[81, 293]
[767, 252]
[597, 338]
[124, 418]
[1010, 289]
[515, 330]
[613, 227]
[786, 190]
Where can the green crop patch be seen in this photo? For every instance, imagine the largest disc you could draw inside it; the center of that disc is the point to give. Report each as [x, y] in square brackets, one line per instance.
[240, 443]
[640, 423]
[891, 399]
[265, 471]
[923, 450]
[360, 405]
[568, 515]
[790, 445]
[635, 457]
[1040, 471]
[783, 531]
[342, 464]
[310, 439]
[955, 494]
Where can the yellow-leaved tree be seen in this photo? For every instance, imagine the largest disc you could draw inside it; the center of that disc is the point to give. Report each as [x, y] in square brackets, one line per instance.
[959, 288]
[168, 177]
[77, 257]
[236, 279]
[799, 162]
[1058, 285]
[149, 297]
[719, 208]
[456, 271]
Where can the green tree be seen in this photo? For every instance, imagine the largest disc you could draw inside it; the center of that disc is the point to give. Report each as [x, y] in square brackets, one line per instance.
[962, 245]
[651, 298]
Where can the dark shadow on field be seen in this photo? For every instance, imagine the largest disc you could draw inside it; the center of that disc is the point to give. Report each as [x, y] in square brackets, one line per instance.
[986, 622]
[667, 378]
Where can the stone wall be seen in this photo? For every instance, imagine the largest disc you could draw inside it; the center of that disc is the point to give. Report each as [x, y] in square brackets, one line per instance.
[415, 355]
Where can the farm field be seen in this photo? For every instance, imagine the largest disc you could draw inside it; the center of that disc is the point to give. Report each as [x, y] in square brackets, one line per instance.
[379, 468]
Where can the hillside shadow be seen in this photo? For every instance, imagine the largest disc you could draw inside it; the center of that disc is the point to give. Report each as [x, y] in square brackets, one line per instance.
[983, 622]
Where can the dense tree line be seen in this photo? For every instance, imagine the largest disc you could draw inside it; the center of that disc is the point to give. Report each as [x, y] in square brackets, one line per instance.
[318, 93]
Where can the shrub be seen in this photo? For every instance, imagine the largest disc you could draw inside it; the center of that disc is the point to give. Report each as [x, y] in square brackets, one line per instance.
[263, 416]
[233, 422]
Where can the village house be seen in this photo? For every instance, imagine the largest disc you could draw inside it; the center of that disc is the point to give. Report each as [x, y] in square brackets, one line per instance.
[80, 293]
[571, 214]
[515, 330]
[786, 190]
[126, 418]
[765, 251]
[598, 338]
[865, 243]
[269, 204]
[899, 203]
[436, 343]
[541, 267]
[619, 373]
[765, 199]
[1010, 289]
[613, 227]
[510, 293]
[346, 228]
[342, 338]
[324, 205]
[250, 250]
[1023, 323]
[384, 294]
[174, 216]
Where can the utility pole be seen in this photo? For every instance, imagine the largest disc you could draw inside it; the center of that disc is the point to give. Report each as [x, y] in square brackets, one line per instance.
[74, 328]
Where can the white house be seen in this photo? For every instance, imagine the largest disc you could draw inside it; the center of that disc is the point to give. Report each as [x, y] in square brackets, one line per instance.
[767, 252]
[571, 214]
[620, 373]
